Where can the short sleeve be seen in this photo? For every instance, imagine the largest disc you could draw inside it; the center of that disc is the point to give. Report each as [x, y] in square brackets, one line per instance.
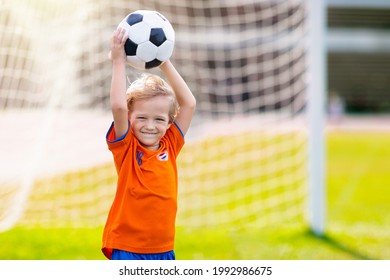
[175, 136]
[119, 146]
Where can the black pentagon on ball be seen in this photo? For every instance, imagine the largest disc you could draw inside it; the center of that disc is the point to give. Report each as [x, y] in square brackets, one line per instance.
[152, 64]
[157, 36]
[130, 47]
[134, 18]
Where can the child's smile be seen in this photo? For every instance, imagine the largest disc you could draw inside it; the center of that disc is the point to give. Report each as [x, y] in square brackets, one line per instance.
[150, 120]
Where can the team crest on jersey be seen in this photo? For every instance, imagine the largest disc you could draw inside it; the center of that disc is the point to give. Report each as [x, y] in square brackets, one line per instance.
[138, 157]
[163, 156]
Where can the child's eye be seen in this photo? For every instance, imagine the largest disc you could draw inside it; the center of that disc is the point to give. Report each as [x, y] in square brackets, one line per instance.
[160, 120]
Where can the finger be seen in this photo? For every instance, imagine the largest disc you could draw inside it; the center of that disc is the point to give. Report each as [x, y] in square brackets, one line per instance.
[124, 39]
[122, 35]
[115, 33]
[114, 36]
[119, 32]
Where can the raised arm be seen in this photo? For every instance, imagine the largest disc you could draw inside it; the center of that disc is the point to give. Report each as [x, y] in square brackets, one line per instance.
[118, 83]
[184, 96]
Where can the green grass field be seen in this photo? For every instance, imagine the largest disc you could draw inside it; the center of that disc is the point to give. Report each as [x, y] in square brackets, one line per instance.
[358, 219]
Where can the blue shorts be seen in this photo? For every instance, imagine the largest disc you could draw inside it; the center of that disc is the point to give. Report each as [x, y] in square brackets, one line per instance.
[124, 255]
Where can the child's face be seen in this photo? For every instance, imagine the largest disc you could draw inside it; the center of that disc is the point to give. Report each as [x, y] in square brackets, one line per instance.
[150, 120]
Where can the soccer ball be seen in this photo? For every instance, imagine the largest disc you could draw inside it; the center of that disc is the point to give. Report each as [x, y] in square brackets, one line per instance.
[151, 39]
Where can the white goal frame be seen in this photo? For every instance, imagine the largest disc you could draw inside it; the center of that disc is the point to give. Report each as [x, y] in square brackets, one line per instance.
[316, 93]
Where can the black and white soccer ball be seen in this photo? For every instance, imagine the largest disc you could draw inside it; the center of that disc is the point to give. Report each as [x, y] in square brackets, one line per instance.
[151, 39]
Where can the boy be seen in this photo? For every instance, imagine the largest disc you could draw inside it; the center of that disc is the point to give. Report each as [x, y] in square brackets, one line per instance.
[145, 138]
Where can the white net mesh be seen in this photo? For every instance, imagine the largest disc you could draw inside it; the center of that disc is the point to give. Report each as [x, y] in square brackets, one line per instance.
[245, 157]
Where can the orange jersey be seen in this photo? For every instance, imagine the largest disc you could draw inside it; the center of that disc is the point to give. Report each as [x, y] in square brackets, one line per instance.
[142, 216]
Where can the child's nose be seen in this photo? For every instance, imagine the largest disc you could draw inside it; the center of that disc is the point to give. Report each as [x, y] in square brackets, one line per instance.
[149, 124]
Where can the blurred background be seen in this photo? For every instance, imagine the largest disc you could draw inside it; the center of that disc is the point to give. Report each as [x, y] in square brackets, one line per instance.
[358, 55]
[244, 172]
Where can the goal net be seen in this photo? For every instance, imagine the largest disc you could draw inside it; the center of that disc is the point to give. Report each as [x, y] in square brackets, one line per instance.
[245, 158]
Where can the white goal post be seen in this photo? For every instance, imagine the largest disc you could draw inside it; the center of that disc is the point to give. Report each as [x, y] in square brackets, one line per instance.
[316, 115]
